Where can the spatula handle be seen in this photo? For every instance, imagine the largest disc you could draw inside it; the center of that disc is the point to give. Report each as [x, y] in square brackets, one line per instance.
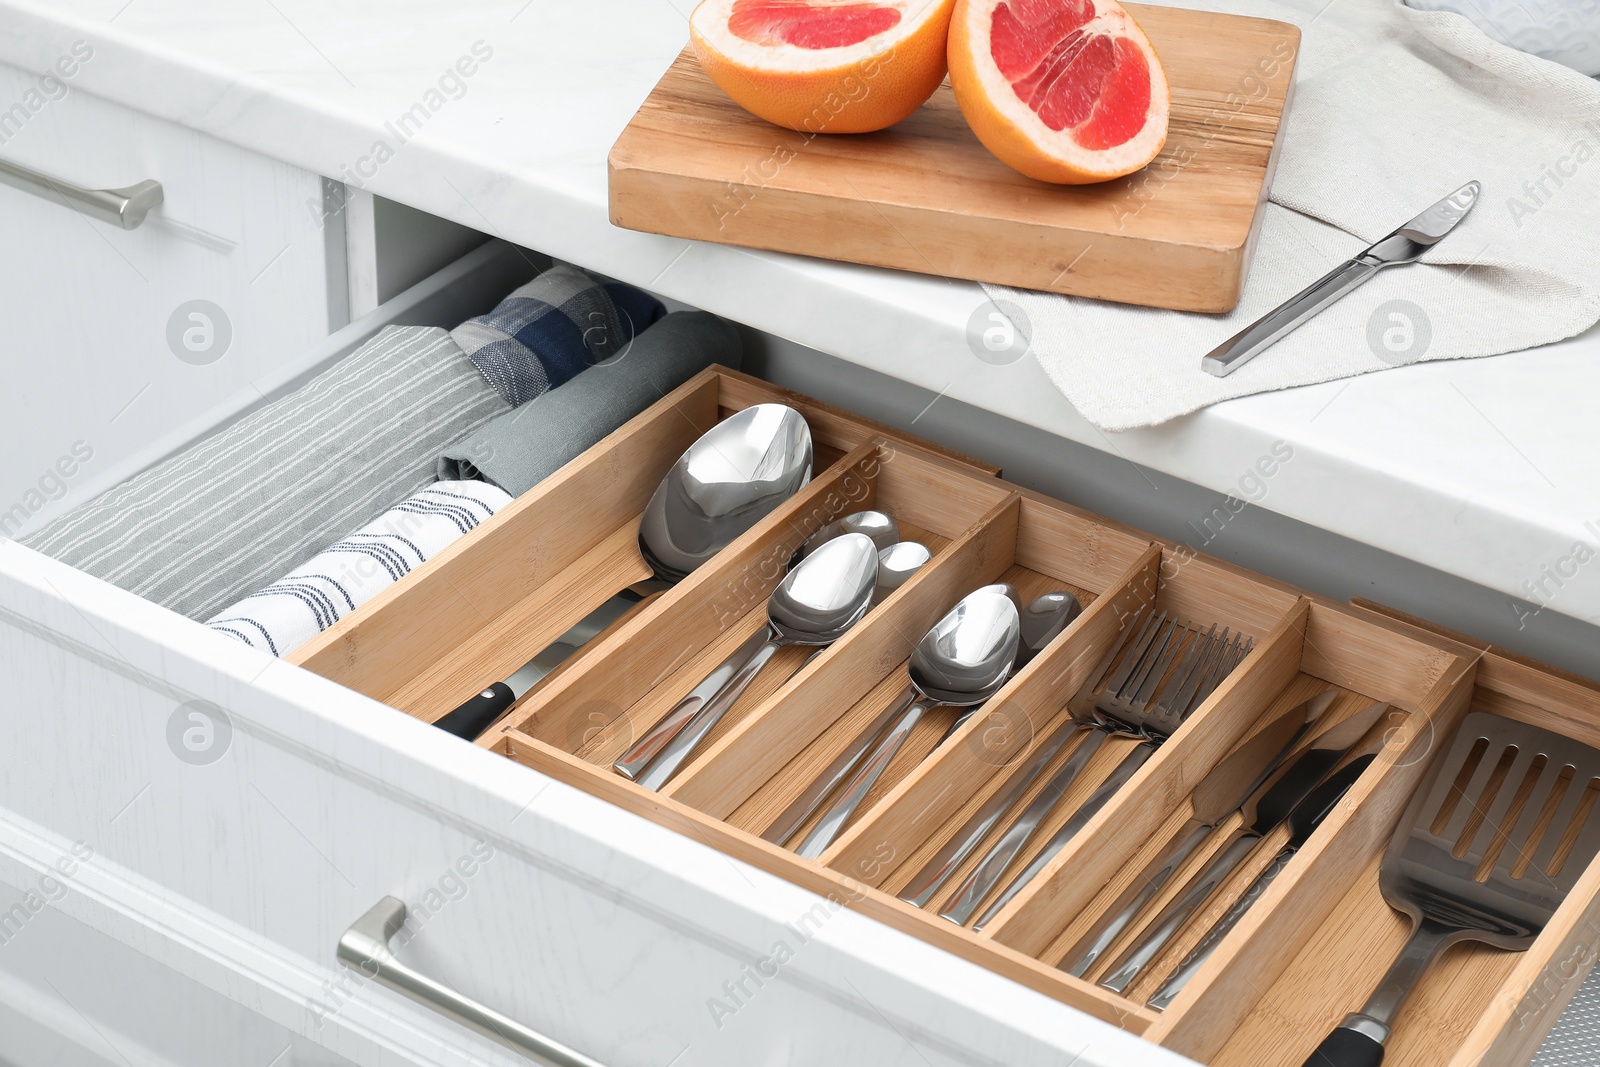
[1347, 1047]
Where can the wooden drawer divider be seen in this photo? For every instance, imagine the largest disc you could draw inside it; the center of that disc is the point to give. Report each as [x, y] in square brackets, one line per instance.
[493, 599]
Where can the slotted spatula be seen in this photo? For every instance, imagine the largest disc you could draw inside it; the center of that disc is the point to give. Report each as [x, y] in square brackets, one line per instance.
[1499, 832]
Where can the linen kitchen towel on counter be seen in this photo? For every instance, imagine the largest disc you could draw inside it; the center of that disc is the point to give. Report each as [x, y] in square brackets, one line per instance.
[1393, 109]
[550, 329]
[243, 507]
[317, 594]
[520, 448]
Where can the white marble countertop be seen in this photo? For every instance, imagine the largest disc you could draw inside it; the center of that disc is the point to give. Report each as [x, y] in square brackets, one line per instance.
[1486, 469]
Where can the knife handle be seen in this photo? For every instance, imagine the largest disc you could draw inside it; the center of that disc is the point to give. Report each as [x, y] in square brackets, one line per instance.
[477, 714]
[1347, 1047]
[1266, 331]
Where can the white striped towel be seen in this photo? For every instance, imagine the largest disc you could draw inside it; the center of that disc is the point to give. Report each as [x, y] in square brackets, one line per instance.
[317, 594]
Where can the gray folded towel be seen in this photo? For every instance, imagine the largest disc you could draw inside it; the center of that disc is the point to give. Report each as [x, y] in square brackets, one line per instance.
[239, 510]
[520, 448]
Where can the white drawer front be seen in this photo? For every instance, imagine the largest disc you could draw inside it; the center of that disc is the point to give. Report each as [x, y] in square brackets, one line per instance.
[71, 995]
[113, 336]
[610, 934]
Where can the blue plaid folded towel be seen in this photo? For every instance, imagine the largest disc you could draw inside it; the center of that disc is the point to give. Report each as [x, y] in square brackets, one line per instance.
[561, 323]
[315, 595]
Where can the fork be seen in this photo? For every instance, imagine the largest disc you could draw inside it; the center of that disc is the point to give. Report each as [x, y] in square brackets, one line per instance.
[1166, 670]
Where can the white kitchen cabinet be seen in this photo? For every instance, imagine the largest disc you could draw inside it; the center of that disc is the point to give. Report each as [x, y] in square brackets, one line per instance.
[116, 338]
[70, 996]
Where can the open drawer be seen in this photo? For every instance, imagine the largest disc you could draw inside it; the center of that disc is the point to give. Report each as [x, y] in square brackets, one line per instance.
[804, 711]
[635, 925]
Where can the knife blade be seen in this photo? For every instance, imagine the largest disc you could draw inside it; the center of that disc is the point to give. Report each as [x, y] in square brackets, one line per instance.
[1220, 793]
[480, 712]
[1404, 245]
[1306, 818]
[1263, 812]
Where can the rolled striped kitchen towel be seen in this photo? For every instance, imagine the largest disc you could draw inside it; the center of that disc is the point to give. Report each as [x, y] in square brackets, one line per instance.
[292, 610]
[562, 322]
[522, 447]
[198, 531]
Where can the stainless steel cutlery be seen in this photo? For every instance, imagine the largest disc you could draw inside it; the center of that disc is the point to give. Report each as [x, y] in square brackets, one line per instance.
[731, 478]
[1145, 687]
[1219, 794]
[1041, 622]
[1263, 811]
[1304, 820]
[962, 661]
[1405, 245]
[816, 603]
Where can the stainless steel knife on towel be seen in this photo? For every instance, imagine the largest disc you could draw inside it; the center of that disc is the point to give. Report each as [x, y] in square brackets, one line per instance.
[1405, 245]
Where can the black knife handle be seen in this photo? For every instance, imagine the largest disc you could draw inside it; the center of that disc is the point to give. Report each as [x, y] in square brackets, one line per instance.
[479, 713]
[1347, 1048]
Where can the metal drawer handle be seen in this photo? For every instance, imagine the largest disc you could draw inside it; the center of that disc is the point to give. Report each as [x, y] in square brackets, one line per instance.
[365, 948]
[120, 207]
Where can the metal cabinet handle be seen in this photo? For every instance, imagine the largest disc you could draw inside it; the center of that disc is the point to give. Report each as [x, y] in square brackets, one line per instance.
[365, 948]
[120, 207]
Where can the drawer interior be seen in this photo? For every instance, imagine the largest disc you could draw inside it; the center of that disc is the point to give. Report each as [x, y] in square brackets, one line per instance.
[1306, 951]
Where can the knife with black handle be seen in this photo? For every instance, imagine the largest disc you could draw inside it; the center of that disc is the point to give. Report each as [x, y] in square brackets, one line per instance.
[1263, 812]
[482, 711]
[1304, 821]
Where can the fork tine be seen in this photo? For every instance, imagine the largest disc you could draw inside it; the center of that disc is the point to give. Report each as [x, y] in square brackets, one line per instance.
[1194, 666]
[1103, 668]
[1138, 655]
[1135, 648]
[1205, 680]
[1155, 670]
[1229, 658]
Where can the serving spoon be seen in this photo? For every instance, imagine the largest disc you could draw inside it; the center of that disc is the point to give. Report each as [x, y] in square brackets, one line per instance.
[816, 603]
[735, 475]
[964, 660]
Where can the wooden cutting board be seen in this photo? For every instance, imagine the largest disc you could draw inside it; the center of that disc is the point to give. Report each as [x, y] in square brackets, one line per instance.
[925, 195]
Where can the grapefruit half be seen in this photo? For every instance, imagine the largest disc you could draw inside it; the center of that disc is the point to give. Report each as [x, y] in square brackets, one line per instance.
[824, 66]
[1066, 91]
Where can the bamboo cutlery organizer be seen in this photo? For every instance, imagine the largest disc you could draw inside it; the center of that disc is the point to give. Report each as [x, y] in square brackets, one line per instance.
[1308, 951]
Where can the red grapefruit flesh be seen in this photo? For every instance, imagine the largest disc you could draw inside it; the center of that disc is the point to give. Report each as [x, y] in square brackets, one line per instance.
[1066, 91]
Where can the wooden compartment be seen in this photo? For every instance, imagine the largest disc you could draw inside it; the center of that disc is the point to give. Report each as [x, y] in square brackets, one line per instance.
[1309, 949]
[1477, 1006]
[487, 604]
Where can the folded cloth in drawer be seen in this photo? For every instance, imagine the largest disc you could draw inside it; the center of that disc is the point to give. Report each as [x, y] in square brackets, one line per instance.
[242, 508]
[551, 329]
[518, 449]
[317, 594]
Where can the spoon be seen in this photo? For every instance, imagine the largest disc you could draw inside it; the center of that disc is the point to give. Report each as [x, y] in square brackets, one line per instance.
[827, 593]
[962, 661]
[878, 525]
[1041, 622]
[723, 484]
[896, 564]
[631, 763]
